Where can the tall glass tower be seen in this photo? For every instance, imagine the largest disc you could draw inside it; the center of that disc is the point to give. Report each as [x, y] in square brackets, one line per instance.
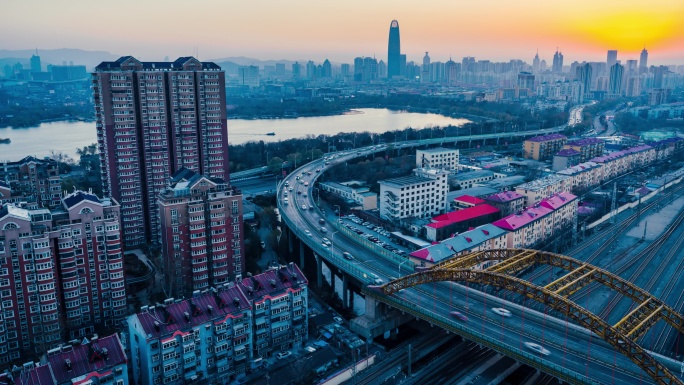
[394, 51]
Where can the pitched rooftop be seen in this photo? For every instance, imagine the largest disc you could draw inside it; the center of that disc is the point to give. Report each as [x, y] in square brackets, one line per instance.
[505, 196]
[546, 138]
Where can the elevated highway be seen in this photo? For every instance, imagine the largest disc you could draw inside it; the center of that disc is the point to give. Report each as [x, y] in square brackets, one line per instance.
[577, 355]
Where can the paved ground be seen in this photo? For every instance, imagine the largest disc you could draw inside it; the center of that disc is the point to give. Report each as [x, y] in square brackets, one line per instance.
[656, 222]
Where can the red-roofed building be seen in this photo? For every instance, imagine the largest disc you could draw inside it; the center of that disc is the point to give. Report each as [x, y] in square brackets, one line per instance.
[212, 336]
[92, 362]
[466, 201]
[445, 225]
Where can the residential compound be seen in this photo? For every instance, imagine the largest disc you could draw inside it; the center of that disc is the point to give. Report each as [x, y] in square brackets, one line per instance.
[100, 360]
[588, 148]
[541, 188]
[355, 196]
[153, 118]
[543, 147]
[538, 223]
[420, 195]
[440, 158]
[211, 337]
[202, 240]
[32, 180]
[62, 273]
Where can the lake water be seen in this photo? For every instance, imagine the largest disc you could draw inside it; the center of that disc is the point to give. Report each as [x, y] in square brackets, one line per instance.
[68, 136]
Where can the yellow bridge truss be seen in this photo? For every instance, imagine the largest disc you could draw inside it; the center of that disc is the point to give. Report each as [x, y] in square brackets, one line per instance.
[622, 336]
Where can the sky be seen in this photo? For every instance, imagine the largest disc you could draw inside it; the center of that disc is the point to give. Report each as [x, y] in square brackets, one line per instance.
[341, 30]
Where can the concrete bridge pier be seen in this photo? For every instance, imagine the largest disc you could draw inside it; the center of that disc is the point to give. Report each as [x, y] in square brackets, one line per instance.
[319, 270]
[332, 277]
[378, 319]
[345, 291]
[301, 254]
[290, 246]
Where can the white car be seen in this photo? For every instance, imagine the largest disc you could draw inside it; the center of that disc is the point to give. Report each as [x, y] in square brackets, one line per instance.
[283, 355]
[501, 311]
[537, 348]
[303, 207]
[307, 232]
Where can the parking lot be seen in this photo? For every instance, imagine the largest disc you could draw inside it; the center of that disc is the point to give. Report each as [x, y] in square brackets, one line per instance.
[373, 233]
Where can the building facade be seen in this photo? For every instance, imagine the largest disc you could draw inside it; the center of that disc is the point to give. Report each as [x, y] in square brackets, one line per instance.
[541, 188]
[394, 51]
[31, 180]
[211, 337]
[201, 236]
[543, 147]
[508, 202]
[446, 225]
[421, 195]
[64, 272]
[95, 361]
[439, 158]
[361, 196]
[587, 147]
[565, 158]
[152, 119]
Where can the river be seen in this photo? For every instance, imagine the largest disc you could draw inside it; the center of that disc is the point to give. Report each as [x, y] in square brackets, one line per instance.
[67, 136]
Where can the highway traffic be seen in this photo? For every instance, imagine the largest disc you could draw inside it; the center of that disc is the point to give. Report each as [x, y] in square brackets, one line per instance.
[572, 348]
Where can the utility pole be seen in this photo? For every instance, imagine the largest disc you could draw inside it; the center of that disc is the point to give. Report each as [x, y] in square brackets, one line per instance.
[613, 206]
[575, 217]
[645, 225]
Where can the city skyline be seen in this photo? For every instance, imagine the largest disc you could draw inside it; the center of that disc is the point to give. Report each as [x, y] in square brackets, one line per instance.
[498, 31]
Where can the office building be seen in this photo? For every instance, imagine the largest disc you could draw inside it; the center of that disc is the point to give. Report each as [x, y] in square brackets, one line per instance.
[425, 69]
[543, 147]
[643, 61]
[394, 51]
[611, 58]
[439, 158]
[526, 80]
[296, 71]
[420, 195]
[154, 118]
[248, 76]
[535, 63]
[95, 361]
[583, 74]
[201, 238]
[557, 63]
[35, 63]
[617, 73]
[211, 337]
[66, 272]
[31, 180]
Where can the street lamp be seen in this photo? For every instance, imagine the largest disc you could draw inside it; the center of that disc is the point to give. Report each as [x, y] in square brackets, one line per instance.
[339, 212]
[400, 266]
[332, 243]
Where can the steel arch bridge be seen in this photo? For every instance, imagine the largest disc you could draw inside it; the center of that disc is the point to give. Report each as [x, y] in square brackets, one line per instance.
[508, 262]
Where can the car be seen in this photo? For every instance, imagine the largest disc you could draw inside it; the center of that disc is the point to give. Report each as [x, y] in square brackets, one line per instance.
[304, 194]
[307, 232]
[284, 193]
[458, 315]
[324, 230]
[290, 189]
[537, 348]
[299, 192]
[303, 207]
[501, 311]
[337, 320]
[309, 172]
[263, 245]
[306, 184]
[283, 355]
[297, 177]
[325, 245]
[321, 221]
[347, 255]
[285, 200]
[318, 170]
[311, 208]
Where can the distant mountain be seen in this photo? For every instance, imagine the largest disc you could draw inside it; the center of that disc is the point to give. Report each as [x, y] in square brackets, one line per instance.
[58, 56]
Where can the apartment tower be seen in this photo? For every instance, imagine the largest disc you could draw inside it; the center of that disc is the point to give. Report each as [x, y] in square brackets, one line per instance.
[153, 118]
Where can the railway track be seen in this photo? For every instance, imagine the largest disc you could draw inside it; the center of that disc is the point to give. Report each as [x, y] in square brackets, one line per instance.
[665, 331]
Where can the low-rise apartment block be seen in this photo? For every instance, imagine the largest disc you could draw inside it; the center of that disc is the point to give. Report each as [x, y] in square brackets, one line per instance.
[201, 232]
[543, 147]
[359, 196]
[446, 225]
[485, 237]
[620, 162]
[98, 361]
[565, 158]
[420, 195]
[583, 176]
[439, 158]
[211, 337]
[508, 202]
[63, 272]
[541, 188]
[32, 180]
[587, 147]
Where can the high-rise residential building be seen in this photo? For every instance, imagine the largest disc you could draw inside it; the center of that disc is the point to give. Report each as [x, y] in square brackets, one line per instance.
[326, 69]
[31, 180]
[248, 76]
[202, 240]
[394, 51]
[425, 69]
[611, 58]
[535, 63]
[310, 70]
[296, 71]
[643, 61]
[382, 70]
[369, 69]
[631, 68]
[557, 62]
[154, 118]
[451, 71]
[212, 337]
[35, 63]
[63, 274]
[615, 85]
[584, 74]
[658, 76]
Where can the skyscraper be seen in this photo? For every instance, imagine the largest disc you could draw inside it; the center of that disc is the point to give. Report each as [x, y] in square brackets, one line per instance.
[35, 63]
[584, 74]
[643, 61]
[394, 51]
[617, 72]
[557, 62]
[153, 118]
[535, 63]
[612, 59]
[425, 70]
[296, 70]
